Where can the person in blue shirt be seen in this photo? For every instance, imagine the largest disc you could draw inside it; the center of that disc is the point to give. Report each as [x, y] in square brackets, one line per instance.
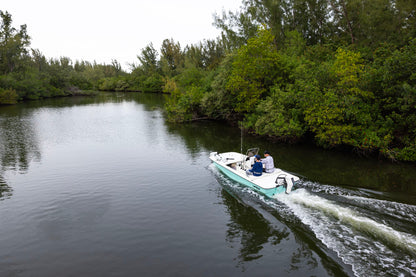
[257, 168]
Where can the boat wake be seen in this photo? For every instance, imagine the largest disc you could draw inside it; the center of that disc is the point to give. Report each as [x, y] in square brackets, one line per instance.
[375, 237]
[367, 244]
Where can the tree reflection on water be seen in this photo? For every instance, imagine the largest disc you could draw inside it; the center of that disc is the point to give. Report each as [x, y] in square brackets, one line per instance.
[5, 190]
[18, 141]
[249, 229]
[18, 144]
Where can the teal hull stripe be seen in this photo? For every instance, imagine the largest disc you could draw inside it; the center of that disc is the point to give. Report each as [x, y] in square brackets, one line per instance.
[239, 179]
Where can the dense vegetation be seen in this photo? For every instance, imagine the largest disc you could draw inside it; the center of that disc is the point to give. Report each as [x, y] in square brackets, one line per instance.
[342, 72]
[27, 74]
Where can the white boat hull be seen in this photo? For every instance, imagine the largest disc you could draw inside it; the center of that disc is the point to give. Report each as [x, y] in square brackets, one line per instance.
[269, 184]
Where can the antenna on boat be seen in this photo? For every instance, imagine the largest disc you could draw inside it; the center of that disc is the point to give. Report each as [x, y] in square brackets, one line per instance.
[241, 144]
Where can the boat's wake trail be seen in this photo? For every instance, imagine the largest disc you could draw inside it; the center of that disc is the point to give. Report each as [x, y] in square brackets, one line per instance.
[356, 228]
[376, 237]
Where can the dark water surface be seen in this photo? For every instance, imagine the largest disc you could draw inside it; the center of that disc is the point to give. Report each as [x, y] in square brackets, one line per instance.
[104, 186]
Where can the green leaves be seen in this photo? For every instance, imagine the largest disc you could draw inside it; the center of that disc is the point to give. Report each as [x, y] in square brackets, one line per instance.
[8, 96]
[337, 114]
[256, 67]
[279, 115]
[172, 59]
[13, 44]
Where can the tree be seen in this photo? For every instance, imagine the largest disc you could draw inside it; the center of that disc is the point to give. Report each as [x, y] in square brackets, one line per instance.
[147, 76]
[39, 60]
[172, 57]
[396, 79]
[256, 67]
[367, 23]
[343, 113]
[13, 44]
[212, 53]
[405, 10]
[236, 27]
[270, 13]
[8, 96]
[148, 59]
[279, 115]
[311, 19]
[194, 56]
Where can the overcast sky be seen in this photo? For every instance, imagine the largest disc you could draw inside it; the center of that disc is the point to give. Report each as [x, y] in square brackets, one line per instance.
[103, 30]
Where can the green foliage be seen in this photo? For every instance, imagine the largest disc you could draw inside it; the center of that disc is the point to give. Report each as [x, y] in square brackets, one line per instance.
[13, 45]
[191, 76]
[338, 114]
[172, 59]
[256, 67]
[108, 84]
[279, 115]
[218, 102]
[152, 83]
[336, 94]
[187, 91]
[35, 77]
[145, 81]
[148, 59]
[206, 55]
[8, 96]
[184, 105]
[395, 77]
[237, 27]
[147, 76]
[364, 23]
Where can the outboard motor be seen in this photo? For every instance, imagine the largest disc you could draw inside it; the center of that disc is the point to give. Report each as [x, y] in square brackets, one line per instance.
[289, 184]
[281, 180]
[284, 180]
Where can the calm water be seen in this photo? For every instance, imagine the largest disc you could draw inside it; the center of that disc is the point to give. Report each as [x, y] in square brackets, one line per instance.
[105, 187]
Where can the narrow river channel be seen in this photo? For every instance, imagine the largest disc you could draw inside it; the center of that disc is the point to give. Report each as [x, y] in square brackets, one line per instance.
[104, 186]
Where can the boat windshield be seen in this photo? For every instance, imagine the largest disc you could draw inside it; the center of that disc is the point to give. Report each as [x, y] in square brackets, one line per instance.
[252, 152]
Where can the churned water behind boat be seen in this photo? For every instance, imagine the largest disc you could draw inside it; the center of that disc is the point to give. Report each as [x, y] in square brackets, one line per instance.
[369, 234]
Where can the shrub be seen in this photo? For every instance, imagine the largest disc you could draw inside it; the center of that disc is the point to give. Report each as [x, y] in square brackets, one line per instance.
[8, 96]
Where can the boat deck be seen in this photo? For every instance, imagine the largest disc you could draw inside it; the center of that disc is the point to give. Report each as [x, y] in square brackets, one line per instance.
[266, 180]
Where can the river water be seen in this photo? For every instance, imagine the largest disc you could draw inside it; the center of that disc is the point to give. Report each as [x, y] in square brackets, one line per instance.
[103, 186]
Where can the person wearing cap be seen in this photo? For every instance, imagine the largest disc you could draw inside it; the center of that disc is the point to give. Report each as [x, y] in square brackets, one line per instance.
[268, 162]
[257, 168]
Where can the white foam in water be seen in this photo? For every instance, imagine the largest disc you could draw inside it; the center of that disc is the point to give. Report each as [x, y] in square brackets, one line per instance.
[328, 189]
[370, 247]
[398, 210]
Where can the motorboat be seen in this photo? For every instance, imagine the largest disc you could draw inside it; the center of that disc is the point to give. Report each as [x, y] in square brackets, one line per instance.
[235, 166]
